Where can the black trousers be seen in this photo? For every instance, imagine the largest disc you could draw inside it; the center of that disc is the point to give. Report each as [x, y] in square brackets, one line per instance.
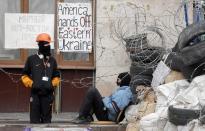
[92, 103]
[41, 108]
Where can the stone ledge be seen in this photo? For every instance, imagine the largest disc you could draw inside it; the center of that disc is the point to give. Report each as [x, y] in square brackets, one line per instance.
[60, 127]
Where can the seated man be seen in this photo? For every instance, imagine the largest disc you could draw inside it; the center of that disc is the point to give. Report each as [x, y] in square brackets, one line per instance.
[107, 108]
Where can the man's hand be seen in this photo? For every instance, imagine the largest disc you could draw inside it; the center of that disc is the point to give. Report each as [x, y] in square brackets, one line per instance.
[55, 81]
[27, 81]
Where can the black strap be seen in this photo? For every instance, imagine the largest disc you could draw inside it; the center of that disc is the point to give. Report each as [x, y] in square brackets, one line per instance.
[120, 114]
[116, 108]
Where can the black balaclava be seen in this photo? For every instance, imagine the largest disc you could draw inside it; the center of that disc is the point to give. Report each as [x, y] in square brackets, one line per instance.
[45, 50]
[123, 79]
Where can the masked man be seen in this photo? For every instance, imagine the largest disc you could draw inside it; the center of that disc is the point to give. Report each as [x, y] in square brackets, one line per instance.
[41, 76]
[108, 108]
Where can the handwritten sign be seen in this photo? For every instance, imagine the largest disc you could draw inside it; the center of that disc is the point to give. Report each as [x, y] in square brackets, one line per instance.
[21, 29]
[75, 27]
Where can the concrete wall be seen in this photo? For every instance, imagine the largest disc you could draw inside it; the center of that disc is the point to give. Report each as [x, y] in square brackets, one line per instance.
[118, 19]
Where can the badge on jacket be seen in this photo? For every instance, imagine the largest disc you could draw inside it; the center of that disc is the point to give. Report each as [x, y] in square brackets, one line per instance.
[48, 64]
[45, 78]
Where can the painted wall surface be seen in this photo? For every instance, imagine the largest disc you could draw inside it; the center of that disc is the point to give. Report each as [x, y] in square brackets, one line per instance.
[118, 19]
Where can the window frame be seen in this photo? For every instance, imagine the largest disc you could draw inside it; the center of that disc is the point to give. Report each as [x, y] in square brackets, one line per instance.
[62, 64]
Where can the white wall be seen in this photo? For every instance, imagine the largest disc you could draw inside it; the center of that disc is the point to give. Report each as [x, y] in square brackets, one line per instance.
[117, 19]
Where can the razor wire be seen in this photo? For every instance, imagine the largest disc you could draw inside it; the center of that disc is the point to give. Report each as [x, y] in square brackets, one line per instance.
[77, 83]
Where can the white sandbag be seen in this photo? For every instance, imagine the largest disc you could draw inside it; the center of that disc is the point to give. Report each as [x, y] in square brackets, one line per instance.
[194, 125]
[152, 122]
[199, 83]
[188, 98]
[170, 127]
[149, 120]
[193, 97]
[134, 112]
[133, 127]
[131, 113]
[150, 129]
[183, 128]
[171, 89]
[166, 93]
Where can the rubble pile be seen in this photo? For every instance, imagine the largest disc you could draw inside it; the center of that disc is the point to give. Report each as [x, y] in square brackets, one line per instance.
[178, 102]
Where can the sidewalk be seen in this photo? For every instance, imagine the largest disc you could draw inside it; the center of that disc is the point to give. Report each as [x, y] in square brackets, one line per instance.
[60, 122]
[24, 117]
